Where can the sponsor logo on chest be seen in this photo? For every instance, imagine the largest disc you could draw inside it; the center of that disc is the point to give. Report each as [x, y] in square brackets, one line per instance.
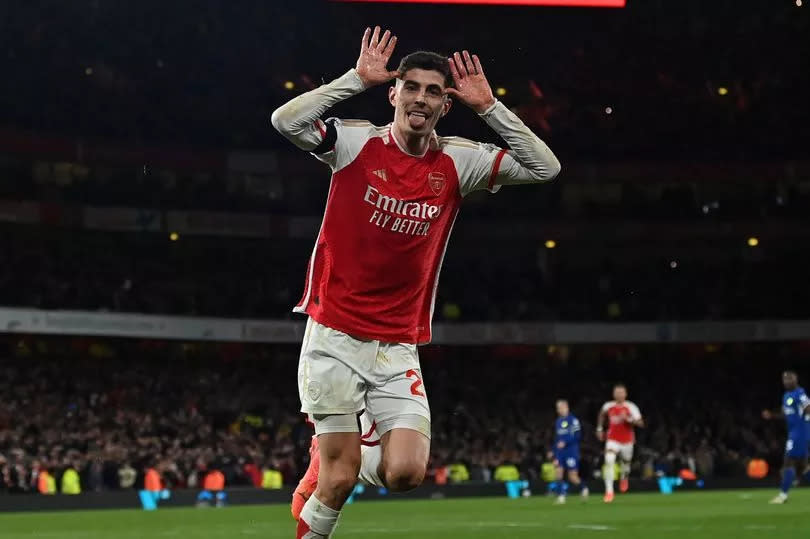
[399, 215]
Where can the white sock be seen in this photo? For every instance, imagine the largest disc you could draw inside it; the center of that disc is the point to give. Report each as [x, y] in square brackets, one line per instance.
[320, 518]
[625, 470]
[370, 465]
[610, 471]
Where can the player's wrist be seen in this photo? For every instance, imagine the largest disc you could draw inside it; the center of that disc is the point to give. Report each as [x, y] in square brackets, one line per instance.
[360, 83]
[486, 108]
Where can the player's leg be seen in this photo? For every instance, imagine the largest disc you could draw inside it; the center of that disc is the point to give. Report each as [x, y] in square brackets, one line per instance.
[795, 460]
[577, 483]
[610, 469]
[332, 393]
[626, 457]
[398, 459]
[788, 476]
[398, 404]
[405, 453]
[339, 466]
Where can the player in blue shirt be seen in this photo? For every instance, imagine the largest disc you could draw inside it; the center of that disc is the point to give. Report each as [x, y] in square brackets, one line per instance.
[796, 411]
[567, 435]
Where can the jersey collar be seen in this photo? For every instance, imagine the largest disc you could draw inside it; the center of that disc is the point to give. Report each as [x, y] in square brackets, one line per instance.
[433, 144]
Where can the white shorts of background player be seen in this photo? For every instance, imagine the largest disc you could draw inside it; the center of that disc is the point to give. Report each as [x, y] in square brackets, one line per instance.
[624, 451]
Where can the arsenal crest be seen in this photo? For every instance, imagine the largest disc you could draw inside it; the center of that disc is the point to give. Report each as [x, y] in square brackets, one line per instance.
[436, 181]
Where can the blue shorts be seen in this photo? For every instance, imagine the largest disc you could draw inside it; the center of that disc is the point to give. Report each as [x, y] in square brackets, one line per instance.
[797, 448]
[567, 460]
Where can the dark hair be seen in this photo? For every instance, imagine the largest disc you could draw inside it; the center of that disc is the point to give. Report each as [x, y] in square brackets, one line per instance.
[430, 61]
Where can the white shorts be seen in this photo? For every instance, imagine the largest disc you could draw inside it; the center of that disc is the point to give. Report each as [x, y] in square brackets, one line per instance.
[625, 451]
[340, 375]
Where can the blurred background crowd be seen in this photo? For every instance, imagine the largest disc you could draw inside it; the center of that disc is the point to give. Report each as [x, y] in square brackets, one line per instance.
[110, 409]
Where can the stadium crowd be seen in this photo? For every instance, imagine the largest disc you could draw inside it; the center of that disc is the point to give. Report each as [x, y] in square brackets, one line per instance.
[109, 409]
[299, 188]
[146, 273]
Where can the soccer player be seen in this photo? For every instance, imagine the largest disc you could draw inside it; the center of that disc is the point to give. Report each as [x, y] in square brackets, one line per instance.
[796, 411]
[622, 417]
[372, 277]
[568, 434]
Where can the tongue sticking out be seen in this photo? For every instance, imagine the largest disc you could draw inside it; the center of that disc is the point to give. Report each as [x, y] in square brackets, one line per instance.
[417, 121]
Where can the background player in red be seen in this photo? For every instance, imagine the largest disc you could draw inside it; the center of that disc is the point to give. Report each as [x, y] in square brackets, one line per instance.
[622, 417]
[372, 277]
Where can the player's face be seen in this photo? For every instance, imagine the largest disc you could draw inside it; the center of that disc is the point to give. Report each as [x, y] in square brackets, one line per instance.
[619, 394]
[419, 101]
[562, 408]
[790, 381]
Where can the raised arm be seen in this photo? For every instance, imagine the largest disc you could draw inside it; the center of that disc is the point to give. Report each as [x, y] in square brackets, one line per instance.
[530, 159]
[299, 118]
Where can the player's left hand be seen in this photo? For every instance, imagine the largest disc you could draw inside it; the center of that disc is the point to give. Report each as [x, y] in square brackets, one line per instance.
[560, 445]
[472, 87]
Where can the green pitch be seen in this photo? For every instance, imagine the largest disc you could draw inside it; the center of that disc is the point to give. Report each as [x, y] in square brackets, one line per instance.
[711, 515]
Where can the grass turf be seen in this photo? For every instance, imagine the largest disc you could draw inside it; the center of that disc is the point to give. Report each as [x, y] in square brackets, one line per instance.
[696, 515]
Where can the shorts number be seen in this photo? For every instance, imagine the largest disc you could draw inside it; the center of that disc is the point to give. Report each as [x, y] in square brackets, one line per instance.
[417, 384]
[789, 445]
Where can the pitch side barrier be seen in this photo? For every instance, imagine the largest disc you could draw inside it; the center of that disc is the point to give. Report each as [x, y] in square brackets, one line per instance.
[16, 320]
[128, 499]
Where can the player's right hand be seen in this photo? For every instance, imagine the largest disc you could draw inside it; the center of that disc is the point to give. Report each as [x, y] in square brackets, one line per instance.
[766, 414]
[601, 435]
[372, 65]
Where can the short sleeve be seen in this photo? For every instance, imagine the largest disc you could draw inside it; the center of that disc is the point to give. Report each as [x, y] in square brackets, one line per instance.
[476, 163]
[803, 399]
[606, 407]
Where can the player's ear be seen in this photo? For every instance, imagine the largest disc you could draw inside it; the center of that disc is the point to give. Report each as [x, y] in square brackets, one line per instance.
[392, 95]
[448, 103]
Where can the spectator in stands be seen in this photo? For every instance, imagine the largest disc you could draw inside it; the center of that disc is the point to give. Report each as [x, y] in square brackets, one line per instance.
[213, 489]
[71, 483]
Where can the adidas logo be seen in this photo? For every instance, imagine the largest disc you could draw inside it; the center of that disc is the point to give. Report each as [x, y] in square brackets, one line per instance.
[381, 174]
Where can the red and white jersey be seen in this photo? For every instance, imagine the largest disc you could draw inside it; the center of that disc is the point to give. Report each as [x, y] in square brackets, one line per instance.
[619, 417]
[375, 267]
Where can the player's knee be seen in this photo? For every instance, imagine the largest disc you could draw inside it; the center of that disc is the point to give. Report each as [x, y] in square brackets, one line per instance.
[338, 472]
[339, 482]
[404, 475]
